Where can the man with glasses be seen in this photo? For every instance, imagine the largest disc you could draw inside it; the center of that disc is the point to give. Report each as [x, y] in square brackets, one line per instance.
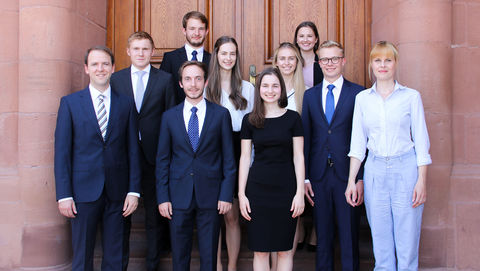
[327, 122]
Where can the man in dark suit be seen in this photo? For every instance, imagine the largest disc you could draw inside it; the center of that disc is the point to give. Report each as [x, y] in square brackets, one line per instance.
[195, 29]
[153, 93]
[327, 122]
[97, 168]
[195, 170]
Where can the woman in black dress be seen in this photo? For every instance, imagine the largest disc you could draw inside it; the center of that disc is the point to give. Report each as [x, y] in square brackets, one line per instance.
[271, 191]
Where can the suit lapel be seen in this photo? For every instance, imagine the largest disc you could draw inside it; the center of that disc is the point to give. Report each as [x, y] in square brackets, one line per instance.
[181, 122]
[320, 99]
[206, 122]
[152, 79]
[89, 110]
[182, 54]
[341, 100]
[112, 116]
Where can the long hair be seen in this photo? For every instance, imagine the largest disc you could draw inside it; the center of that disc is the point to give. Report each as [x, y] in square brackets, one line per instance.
[257, 116]
[298, 81]
[312, 26]
[214, 88]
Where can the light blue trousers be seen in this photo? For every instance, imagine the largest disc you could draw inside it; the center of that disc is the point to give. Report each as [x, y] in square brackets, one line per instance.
[395, 224]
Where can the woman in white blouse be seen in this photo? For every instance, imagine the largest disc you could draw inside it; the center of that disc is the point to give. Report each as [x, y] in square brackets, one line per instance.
[389, 121]
[226, 87]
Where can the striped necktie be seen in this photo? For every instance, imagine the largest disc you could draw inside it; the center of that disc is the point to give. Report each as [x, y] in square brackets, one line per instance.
[102, 116]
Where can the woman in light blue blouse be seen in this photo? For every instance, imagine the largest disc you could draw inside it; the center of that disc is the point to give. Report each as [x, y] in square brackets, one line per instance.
[389, 121]
[226, 88]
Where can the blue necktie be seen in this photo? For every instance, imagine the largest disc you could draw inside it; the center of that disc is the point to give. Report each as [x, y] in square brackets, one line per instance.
[194, 55]
[329, 103]
[193, 129]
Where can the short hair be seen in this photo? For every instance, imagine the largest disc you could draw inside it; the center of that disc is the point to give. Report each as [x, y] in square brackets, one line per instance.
[330, 44]
[99, 48]
[382, 48]
[194, 15]
[312, 26]
[140, 35]
[201, 65]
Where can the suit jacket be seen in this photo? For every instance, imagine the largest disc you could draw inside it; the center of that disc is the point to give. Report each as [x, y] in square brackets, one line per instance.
[85, 165]
[159, 97]
[210, 171]
[317, 72]
[322, 138]
[171, 63]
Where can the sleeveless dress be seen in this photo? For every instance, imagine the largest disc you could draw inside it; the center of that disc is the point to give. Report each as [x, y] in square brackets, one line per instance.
[271, 183]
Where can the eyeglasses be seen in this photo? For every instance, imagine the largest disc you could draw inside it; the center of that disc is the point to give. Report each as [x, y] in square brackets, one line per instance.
[334, 60]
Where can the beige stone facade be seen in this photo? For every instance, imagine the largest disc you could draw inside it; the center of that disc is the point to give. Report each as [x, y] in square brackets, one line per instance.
[43, 42]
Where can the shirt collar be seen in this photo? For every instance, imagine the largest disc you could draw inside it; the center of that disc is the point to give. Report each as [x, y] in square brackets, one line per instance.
[190, 49]
[338, 83]
[95, 92]
[134, 69]
[397, 86]
[200, 106]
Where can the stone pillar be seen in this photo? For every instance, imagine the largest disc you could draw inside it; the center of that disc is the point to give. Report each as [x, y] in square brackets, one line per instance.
[42, 60]
[10, 199]
[422, 32]
[465, 189]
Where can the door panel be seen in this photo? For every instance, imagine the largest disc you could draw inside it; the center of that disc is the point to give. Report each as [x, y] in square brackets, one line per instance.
[257, 25]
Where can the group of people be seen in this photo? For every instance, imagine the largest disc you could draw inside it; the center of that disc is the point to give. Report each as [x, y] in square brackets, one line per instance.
[197, 142]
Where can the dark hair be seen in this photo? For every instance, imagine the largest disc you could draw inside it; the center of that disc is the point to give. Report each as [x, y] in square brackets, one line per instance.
[315, 31]
[141, 35]
[194, 63]
[213, 90]
[195, 15]
[257, 116]
[99, 48]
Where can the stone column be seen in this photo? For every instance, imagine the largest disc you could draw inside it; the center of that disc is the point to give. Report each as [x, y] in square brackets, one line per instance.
[41, 60]
[10, 199]
[422, 32]
[465, 188]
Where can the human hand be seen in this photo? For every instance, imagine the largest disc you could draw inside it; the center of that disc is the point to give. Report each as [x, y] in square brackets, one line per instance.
[67, 208]
[309, 193]
[224, 207]
[351, 194]
[165, 209]
[244, 205]
[130, 205]
[298, 205]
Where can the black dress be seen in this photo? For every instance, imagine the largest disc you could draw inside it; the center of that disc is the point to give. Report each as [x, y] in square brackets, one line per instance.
[271, 183]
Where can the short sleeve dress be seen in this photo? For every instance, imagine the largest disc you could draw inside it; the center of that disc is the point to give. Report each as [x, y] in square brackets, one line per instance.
[271, 183]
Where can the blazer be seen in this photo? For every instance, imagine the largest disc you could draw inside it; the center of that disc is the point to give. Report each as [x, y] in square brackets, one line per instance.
[210, 171]
[171, 63]
[317, 72]
[159, 96]
[322, 138]
[84, 164]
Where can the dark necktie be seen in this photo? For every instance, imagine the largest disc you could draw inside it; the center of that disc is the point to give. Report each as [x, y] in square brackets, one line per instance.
[193, 129]
[330, 103]
[194, 55]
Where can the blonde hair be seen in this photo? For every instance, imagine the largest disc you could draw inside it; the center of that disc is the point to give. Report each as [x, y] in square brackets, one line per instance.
[298, 80]
[382, 48]
[330, 44]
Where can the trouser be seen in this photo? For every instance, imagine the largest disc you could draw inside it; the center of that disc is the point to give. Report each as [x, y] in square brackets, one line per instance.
[395, 224]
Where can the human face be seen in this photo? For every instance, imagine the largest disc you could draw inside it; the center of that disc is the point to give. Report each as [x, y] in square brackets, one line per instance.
[331, 71]
[306, 39]
[140, 52]
[193, 82]
[383, 67]
[227, 56]
[99, 69]
[270, 89]
[286, 61]
[195, 32]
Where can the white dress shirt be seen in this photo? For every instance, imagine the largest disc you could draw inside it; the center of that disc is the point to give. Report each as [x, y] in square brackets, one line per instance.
[94, 93]
[190, 49]
[336, 91]
[134, 76]
[390, 127]
[201, 110]
[248, 92]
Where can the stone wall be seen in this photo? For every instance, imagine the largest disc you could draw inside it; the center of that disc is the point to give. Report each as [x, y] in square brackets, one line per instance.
[41, 60]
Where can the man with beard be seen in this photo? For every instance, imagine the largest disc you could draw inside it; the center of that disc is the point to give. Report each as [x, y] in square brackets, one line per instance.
[195, 29]
[195, 170]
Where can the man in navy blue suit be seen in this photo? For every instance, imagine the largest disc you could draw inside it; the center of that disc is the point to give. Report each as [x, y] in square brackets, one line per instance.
[153, 93]
[195, 29]
[327, 122]
[97, 169]
[195, 170]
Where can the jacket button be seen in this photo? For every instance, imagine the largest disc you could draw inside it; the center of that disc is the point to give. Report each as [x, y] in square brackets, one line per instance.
[329, 131]
[191, 173]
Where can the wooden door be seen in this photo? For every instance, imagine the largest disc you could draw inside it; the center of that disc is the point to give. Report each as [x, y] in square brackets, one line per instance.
[258, 26]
